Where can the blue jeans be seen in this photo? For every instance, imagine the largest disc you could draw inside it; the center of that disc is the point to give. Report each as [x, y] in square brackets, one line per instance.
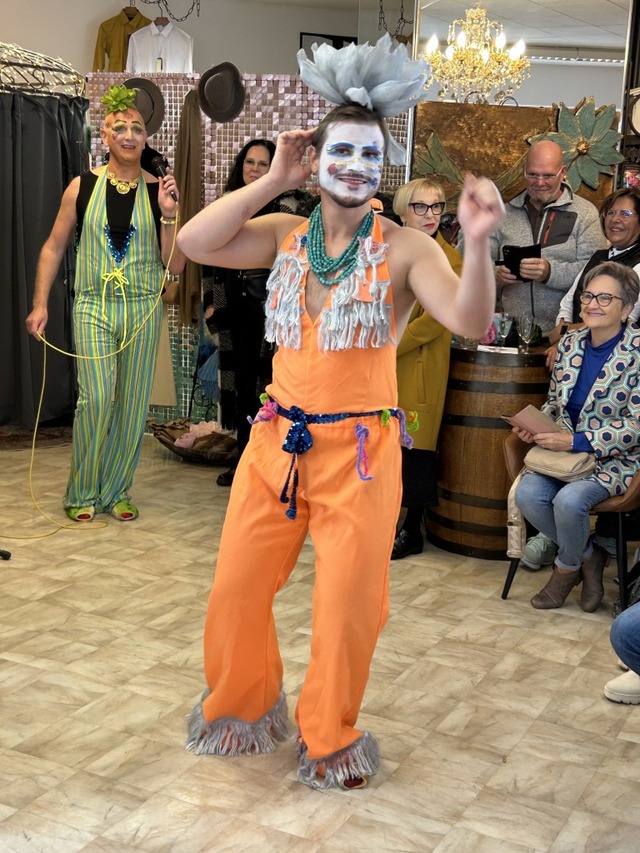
[625, 637]
[561, 511]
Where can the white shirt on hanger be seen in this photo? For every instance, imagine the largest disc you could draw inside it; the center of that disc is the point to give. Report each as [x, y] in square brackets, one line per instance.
[161, 49]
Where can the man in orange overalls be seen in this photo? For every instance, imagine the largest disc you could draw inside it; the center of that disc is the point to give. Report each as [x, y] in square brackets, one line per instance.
[324, 453]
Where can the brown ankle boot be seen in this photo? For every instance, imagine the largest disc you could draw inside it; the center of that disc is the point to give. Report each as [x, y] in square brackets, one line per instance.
[556, 589]
[592, 571]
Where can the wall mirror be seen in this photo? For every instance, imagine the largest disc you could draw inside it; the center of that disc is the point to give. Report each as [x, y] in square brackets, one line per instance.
[588, 36]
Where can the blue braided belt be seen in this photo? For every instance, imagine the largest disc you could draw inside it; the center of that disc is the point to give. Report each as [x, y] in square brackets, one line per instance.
[299, 440]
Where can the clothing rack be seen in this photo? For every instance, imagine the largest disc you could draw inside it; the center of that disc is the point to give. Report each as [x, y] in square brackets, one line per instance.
[165, 10]
[25, 71]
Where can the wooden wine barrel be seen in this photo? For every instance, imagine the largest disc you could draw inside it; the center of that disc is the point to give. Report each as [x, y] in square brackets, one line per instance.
[471, 515]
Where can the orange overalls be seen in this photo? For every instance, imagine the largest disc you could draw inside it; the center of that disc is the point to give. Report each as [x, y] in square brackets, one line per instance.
[348, 498]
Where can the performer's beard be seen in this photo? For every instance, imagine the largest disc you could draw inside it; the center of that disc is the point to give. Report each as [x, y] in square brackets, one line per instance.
[348, 201]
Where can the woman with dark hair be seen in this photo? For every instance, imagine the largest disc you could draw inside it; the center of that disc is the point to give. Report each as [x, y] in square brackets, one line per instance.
[251, 162]
[233, 302]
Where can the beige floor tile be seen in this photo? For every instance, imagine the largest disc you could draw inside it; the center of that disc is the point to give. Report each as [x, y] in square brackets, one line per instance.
[87, 802]
[563, 742]
[464, 760]
[494, 734]
[557, 782]
[24, 778]
[167, 824]
[612, 797]
[378, 823]
[26, 833]
[590, 833]
[461, 839]
[244, 836]
[518, 819]
[495, 728]
[622, 760]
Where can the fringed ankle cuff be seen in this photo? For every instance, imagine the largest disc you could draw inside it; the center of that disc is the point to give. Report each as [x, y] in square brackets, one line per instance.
[231, 736]
[359, 759]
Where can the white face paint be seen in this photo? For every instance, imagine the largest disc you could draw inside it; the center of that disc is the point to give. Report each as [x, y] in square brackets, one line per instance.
[350, 162]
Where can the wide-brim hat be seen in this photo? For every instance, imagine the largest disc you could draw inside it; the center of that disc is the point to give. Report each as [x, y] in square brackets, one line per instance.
[221, 92]
[149, 102]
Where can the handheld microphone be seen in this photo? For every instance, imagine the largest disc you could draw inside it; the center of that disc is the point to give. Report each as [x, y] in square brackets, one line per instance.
[159, 165]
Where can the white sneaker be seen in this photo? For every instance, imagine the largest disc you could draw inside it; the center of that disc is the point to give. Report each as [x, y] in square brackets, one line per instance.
[622, 664]
[624, 688]
[538, 552]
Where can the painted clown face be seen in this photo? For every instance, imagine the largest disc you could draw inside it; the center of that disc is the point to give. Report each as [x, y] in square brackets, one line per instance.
[350, 162]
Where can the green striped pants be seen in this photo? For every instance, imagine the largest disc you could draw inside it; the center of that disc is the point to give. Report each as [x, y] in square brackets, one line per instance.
[113, 395]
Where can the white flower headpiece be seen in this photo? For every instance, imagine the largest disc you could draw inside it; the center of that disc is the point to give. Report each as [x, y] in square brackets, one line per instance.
[381, 77]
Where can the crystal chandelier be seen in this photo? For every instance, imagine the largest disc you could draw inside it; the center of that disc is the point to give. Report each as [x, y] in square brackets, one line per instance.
[476, 61]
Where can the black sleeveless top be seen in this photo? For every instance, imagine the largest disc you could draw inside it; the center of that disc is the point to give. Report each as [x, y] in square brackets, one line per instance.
[119, 207]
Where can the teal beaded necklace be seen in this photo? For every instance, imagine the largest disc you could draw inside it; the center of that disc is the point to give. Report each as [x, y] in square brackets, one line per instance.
[331, 270]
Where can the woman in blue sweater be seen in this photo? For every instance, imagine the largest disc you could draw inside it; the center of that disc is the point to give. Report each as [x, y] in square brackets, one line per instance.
[595, 395]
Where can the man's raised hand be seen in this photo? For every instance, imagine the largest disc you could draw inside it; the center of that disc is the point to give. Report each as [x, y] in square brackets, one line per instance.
[288, 167]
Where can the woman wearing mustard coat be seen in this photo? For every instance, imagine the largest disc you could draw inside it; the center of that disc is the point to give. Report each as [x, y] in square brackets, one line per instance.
[423, 368]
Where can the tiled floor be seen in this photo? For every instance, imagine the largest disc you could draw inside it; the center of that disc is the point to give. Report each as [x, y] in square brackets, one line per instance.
[494, 732]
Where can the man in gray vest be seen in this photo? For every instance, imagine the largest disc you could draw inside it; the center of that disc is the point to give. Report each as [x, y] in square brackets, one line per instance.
[563, 231]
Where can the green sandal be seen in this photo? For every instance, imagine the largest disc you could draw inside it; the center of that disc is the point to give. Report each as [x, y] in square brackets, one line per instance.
[124, 511]
[80, 513]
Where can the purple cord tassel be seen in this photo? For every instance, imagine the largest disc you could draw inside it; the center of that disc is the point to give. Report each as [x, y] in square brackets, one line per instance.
[362, 462]
[405, 438]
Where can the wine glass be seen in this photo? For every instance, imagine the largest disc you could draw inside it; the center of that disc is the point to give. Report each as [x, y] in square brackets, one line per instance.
[526, 326]
[504, 326]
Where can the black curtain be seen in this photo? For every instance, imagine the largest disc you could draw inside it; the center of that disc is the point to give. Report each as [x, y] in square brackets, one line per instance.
[42, 147]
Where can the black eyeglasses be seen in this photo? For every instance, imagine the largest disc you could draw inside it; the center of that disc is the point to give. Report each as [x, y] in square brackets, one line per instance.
[420, 208]
[603, 299]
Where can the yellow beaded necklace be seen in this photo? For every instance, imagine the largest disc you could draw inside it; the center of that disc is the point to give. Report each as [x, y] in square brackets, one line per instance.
[123, 187]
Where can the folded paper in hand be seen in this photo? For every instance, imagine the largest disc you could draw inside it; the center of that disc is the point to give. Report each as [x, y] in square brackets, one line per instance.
[533, 420]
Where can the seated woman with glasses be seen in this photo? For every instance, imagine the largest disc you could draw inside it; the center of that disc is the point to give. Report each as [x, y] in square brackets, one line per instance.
[422, 369]
[594, 394]
[620, 222]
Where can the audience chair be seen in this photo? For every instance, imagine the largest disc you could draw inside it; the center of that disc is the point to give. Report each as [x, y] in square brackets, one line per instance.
[514, 452]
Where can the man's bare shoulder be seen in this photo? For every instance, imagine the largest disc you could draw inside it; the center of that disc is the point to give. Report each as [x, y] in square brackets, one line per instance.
[406, 246]
[390, 229]
[281, 224]
[397, 236]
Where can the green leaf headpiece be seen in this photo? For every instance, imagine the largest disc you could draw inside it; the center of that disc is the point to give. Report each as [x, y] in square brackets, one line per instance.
[117, 99]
